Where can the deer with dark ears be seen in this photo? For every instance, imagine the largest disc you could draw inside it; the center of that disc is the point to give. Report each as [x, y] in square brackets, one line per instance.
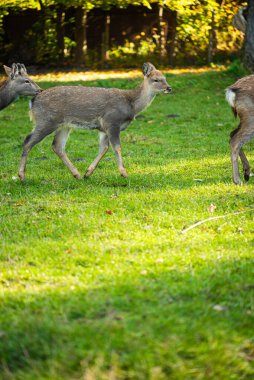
[108, 110]
[17, 84]
[240, 97]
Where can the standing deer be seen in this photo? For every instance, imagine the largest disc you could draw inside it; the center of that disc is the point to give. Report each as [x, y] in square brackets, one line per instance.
[17, 84]
[240, 97]
[109, 110]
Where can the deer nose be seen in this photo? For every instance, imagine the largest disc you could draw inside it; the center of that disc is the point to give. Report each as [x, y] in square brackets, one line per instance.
[168, 89]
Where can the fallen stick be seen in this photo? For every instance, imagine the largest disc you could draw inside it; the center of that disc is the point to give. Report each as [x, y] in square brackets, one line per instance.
[212, 218]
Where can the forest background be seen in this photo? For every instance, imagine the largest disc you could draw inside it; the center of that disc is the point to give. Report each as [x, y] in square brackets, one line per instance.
[119, 33]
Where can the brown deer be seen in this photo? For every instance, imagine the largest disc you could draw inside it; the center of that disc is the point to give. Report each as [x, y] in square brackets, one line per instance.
[109, 110]
[240, 97]
[17, 84]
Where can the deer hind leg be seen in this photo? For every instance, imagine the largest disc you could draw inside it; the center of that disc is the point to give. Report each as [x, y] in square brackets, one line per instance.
[58, 147]
[239, 137]
[114, 140]
[246, 165]
[30, 141]
[104, 145]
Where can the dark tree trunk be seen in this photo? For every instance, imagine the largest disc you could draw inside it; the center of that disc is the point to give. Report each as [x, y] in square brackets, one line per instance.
[211, 39]
[249, 38]
[80, 36]
[43, 20]
[106, 39]
[163, 31]
[42, 55]
[172, 33]
[60, 16]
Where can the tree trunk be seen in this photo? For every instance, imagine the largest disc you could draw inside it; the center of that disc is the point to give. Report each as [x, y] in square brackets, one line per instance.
[41, 47]
[80, 36]
[172, 33]
[106, 40]
[211, 39]
[162, 33]
[60, 16]
[249, 38]
[43, 19]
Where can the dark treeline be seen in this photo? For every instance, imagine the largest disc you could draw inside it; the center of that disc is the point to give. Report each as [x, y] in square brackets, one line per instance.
[118, 33]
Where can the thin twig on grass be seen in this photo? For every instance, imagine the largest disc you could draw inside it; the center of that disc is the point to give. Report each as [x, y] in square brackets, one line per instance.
[213, 218]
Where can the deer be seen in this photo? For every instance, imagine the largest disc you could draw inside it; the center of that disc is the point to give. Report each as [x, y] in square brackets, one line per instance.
[109, 110]
[17, 84]
[240, 97]
[240, 19]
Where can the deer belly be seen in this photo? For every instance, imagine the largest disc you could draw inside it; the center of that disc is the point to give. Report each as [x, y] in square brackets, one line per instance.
[124, 125]
[92, 124]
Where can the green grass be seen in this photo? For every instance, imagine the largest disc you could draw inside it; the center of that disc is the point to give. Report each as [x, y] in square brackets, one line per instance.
[97, 282]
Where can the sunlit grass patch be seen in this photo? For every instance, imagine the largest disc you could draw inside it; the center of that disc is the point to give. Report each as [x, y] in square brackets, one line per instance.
[58, 76]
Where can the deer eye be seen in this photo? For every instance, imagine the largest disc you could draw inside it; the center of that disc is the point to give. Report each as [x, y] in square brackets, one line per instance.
[155, 80]
[27, 81]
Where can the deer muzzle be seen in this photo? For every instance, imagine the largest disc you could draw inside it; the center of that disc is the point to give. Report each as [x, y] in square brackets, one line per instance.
[167, 90]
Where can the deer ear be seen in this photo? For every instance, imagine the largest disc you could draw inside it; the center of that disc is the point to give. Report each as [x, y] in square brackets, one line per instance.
[21, 69]
[11, 72]
[14, 71]
[147, 69]
[8, 70]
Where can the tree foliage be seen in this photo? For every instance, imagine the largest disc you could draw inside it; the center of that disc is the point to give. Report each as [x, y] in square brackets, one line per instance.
[190, 30]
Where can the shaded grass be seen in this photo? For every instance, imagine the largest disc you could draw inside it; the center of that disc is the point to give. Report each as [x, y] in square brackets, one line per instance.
[97, 281]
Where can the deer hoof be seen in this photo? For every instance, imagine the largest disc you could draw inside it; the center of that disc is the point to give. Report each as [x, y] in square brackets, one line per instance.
[238, 182]
[123, 173]
[88, 173]
[22, 176]
[246, 176]
[77, 175]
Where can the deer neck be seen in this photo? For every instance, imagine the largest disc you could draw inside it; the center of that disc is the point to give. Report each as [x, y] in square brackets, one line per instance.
[142, 97]
[6, 95]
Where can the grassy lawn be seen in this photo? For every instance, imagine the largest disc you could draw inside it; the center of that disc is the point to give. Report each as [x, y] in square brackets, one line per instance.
[97, 282]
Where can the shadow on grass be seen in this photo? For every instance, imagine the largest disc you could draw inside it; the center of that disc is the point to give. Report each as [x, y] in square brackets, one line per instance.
[103, 181]
[43, 169]
[184, 323]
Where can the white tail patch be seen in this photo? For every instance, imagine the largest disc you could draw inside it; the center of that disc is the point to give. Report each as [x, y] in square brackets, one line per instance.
[230, 97]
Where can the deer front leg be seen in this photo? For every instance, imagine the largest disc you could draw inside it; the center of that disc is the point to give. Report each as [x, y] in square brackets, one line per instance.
[114, 140]
[104, 145]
